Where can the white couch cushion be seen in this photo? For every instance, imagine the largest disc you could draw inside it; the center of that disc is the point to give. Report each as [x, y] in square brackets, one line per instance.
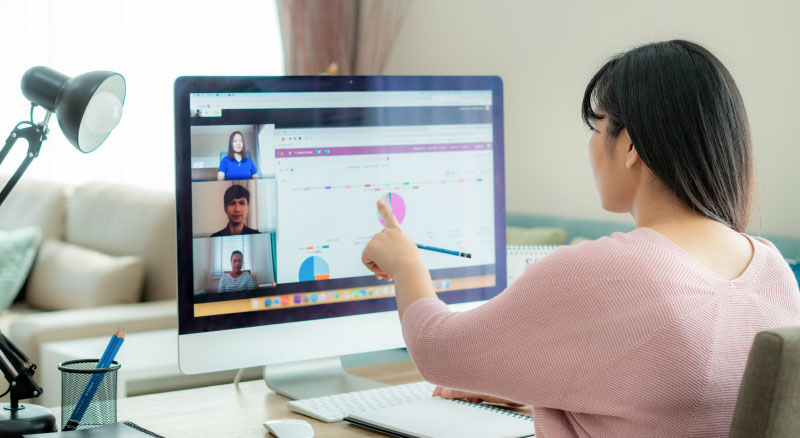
[34, 203]
[31, 330]
[119, 220]
[70, 277]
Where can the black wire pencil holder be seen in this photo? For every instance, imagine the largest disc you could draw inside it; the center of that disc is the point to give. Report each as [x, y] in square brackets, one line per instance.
[75, 376]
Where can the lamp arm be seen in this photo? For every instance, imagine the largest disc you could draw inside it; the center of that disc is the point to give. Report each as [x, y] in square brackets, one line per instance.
[8, 371]
[15, 356]
[35, 134]
[18, 371]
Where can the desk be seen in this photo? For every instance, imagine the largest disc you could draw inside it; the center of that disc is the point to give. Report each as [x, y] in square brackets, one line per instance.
[149, 365]
[222, 411]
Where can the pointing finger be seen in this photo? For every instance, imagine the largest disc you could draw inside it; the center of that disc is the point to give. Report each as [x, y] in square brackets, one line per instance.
[386, 213]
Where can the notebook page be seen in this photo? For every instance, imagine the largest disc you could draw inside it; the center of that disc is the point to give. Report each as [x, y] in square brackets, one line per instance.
[440, 418]
[520, 256]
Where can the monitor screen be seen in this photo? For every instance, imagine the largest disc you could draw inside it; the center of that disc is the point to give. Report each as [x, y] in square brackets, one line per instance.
[277, 180]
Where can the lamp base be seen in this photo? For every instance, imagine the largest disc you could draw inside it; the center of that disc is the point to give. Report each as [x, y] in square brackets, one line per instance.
[27, 419]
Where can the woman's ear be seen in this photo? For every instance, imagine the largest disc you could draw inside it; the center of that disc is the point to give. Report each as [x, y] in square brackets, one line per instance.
[623, 144]
[632, 156]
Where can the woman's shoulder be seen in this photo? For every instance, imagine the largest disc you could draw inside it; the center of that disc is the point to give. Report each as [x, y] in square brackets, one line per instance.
[631, 254]
[773, 263]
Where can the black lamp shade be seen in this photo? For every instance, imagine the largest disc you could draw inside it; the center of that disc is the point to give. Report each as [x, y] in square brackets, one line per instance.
[87, 106]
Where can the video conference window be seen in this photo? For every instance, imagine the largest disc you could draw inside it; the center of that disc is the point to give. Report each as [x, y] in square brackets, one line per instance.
[292, 202]
[225, 208]
[233, 209]
[232, 152]
[233, 263]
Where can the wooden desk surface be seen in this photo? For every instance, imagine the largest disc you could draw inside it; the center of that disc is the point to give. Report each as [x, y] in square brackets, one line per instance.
[223, 411]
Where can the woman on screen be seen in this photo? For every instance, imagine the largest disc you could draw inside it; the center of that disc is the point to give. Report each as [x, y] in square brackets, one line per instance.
[644, 333]
[236, 279]
[237, 165]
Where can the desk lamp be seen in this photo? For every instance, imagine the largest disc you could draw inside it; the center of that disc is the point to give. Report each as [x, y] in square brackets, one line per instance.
[87, 107]
[17, 419]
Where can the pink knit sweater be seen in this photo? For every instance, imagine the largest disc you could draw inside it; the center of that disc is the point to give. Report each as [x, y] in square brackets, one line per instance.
[625, 336]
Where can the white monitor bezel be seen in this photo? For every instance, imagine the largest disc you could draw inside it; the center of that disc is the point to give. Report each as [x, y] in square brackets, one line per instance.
[231, 348]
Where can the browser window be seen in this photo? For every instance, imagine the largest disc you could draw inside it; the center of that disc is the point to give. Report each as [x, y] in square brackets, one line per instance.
[285, 189]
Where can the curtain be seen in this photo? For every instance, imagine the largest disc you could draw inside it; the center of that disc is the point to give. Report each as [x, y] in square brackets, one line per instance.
[357, 35]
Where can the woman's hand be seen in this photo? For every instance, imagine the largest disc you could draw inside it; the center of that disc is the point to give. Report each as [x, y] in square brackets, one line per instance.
[390, 248]
[472, 397]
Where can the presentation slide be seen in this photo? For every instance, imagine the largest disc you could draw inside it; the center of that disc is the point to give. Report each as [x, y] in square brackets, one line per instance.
[327, 205]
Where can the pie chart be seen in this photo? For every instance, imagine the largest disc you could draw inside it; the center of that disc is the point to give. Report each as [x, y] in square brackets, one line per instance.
[397, 205]
[314, 268]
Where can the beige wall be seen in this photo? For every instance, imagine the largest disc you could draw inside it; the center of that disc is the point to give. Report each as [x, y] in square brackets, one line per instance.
[547, 51]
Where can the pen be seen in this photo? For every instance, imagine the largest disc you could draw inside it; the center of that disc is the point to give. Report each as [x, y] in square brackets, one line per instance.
[445, 251]
[94, 382]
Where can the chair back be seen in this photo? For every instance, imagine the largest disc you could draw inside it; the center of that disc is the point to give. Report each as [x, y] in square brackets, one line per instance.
[769, 398]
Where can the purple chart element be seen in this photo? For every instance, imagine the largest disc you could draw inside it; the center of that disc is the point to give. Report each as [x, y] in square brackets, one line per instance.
[397, 205]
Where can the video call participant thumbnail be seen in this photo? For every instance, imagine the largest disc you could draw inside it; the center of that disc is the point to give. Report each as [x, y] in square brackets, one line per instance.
[237, 165]
[236, 203]
[236, 279]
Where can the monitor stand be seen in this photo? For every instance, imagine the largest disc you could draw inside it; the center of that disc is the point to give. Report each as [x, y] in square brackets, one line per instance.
[314, 378]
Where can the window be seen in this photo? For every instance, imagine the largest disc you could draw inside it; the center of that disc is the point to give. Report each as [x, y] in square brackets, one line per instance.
[224, 247]
[150, 43]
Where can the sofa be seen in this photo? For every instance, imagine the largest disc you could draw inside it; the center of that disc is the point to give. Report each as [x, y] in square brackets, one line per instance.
[106, 258]
[556, 230]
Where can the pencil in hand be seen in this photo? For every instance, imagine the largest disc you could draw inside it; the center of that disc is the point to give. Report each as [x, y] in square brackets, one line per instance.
[445, 251]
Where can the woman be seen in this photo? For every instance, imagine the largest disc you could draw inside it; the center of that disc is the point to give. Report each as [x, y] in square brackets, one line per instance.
[237, 165]
[639, 334]
[236, 279]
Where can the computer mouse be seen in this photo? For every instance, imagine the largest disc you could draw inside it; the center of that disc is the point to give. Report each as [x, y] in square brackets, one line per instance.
[290, 428]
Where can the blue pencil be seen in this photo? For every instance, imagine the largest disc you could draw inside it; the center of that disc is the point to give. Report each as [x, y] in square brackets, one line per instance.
[108, 349]
[94, 382]
[445, 251]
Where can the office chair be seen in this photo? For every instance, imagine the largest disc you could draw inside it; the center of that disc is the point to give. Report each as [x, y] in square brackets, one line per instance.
[769, 398]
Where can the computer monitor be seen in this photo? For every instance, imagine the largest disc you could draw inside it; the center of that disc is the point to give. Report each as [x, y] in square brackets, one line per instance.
[277, 180]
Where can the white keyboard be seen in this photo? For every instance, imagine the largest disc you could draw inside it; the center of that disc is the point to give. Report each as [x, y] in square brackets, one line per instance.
[332, 408]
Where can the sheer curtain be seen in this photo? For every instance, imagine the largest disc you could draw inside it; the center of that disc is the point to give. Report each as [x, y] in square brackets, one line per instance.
[356, 34]
[150, 43]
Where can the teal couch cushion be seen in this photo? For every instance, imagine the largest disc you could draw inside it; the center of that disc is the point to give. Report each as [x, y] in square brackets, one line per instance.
[535, 236]
[579, 229]
[574, 227]
[795, 265]
[17, 253]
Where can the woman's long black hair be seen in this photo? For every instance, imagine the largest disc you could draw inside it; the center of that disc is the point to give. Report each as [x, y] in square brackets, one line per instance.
[686, 119]
[230, 146]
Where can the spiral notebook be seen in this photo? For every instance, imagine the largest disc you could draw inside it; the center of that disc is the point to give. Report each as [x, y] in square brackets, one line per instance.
[520, 256]
[441, 418]
[125, 429]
